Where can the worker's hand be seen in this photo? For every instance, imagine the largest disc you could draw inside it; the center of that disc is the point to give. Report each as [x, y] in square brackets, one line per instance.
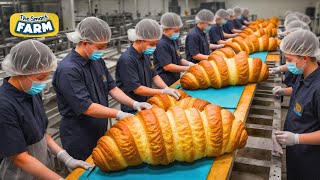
[235, 34]
[141, 105]
[171, 92]
[275, 70]
[122, 115]
[278, 91]
[70, 162]
[277, 149]
[190, 63]
[220, 46]
[287, 138]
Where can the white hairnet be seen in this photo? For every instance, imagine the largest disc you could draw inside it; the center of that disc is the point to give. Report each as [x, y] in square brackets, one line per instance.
[245, 11]
[171, 20]
[299, 14]
[289, 20]
[237, 11]
[290, 16]
[231, 12]
[222, 13]
[287, 13]
[146, 29]
[296, 25]
[306, 19]
[29, 57]
[205, 16]
[302, 43]
[91, 29]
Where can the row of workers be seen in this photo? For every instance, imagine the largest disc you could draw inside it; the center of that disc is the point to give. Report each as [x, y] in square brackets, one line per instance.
[301, 132]
[82, 83]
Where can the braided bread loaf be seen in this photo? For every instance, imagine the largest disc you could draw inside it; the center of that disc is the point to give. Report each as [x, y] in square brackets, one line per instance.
[219, 72]
[270, 32]
[225, 52]
[155, 136]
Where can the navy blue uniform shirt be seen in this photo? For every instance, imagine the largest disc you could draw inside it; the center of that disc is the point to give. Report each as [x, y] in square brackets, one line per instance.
[216, 34]
[304, 117]
[237, 23]
[134, 70]
[79, 83]
[228, 27]
[23, 120]
[167, 52]
[196, 43]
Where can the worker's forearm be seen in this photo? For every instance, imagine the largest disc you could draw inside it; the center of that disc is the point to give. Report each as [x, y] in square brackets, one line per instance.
[287, 91]
[34, 167]
[221, 42]
[213, 46]
[121, 97]
[99, 111]
[157, 80]
[200, 57]
[235, 31]
[310, 138]
[226, 35]
[52, 145]
[175, 68]
[184, 62]
[284, 68]
[247, 23]
[146, 91]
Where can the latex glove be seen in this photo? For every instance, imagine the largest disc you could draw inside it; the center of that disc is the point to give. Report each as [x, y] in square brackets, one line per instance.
[277, 149]
[278, 91]
[141, 105]
[171, 92]
[190, 63]
[70, 162]
[287, 138]
[122, 115]
[235, 34]
[275, 70]
[220, 46]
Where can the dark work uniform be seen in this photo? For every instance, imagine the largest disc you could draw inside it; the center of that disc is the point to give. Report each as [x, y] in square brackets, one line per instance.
[237, 24]
[290, 79]
[79, 83]
[23, 121]
[196, 43]
[304, 117]
[228, 27]
[243, 19]
[132, 71]
[167, 52]
[216, 34]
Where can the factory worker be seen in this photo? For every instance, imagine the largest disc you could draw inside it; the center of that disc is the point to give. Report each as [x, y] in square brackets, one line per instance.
[216, 34]
[26, 146]
[301, 132]
[167, 59]
[287, 13]
[290, 78]
[134, 71]
[306, 19]
[197, 44]
[82, 83]
[229, 27]
[244, 19]
[289, 19]
[238, 18]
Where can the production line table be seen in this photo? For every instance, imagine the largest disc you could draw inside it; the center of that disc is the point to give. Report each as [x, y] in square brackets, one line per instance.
[222, 165]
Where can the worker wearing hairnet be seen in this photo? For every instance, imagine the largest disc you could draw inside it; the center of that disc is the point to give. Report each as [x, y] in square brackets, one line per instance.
[244, 19]
[197, 44]
[289, 19]
[229, 27]
[306, 19]
[83, 83]
[238, 18]
[216, 34]
[290, 78]
[24, 141]
[301, 132]
[167, 59]
[134, 72]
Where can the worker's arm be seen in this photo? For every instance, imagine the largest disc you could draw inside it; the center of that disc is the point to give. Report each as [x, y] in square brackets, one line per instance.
[221, 42]
[157, 80]
[247, 22]
[287, 91]
[52, 145]
[34, 167]
[146, 91]
[226, 35]
[235, 31]
[200, 57]
[185, 62]
[121, 97]
[175, 68]
[310, 138]
[99, 111]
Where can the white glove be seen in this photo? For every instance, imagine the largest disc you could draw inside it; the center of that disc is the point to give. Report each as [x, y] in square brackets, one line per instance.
[278, 91]
[275, 70]
[171, 92]
[287, 138]
[122, 115]
[277, 149]
[70, 162]
[190, 63]
[220, 46]
[141, 105]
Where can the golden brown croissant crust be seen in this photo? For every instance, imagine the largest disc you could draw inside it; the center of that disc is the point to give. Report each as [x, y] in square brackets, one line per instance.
[219, 72]
[156, 136]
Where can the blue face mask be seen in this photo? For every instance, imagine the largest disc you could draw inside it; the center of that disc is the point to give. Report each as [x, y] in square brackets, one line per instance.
[292, 67]
[223, 21]
[36, 87]
[149, 50]
[239, 17]
[175, 36]
[96, 54]
[207, 28]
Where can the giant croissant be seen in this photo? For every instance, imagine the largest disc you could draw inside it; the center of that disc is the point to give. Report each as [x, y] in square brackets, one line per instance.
[220, 71]
[156, 136]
